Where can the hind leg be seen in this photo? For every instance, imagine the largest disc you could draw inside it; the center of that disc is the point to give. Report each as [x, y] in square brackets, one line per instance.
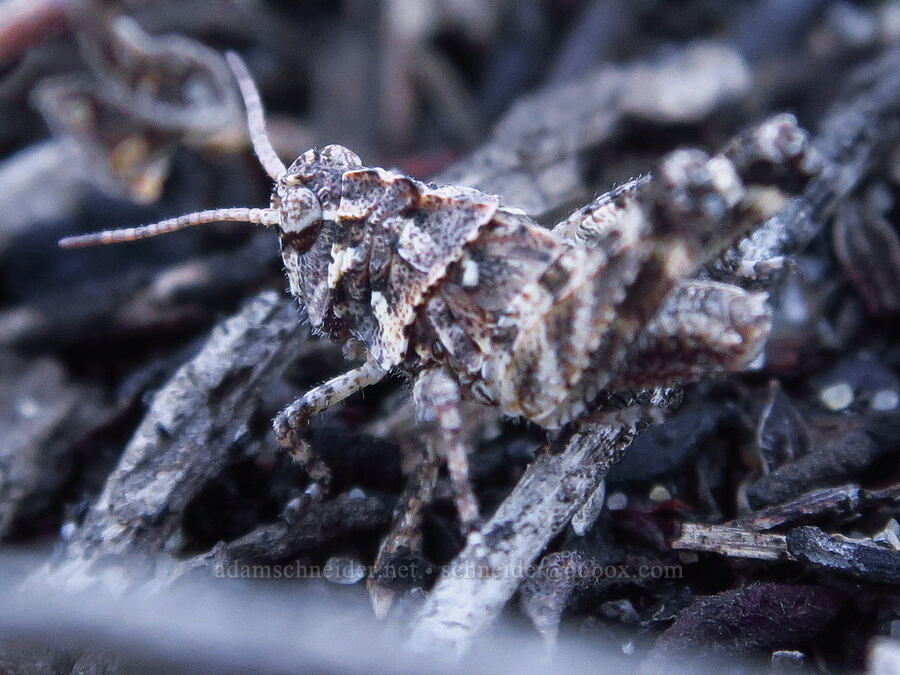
[403, 544]
[662, 328]
[602, 222]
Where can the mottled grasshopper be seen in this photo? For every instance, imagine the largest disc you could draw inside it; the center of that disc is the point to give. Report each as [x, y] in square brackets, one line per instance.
[473, 300]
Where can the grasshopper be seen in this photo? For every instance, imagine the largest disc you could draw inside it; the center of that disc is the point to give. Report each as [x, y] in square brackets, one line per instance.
[472, 300]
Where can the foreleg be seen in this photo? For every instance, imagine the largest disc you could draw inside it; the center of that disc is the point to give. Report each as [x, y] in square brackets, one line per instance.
[290, 421]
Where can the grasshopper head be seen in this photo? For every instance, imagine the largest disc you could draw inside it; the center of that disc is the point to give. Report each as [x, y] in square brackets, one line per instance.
[309, 192]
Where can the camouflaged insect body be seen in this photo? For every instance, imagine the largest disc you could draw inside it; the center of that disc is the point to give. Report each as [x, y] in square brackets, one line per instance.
[471, 299]
[384, 242]
[531, 321]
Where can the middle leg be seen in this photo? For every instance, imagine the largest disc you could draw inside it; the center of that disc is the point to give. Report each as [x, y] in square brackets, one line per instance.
[437, 397]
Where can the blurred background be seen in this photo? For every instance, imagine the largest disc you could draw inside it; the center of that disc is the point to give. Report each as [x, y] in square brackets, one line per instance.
[116, 113]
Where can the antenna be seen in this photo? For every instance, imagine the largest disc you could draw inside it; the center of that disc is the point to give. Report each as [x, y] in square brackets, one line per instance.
[256, 118]
[256, 124]
[267, 217]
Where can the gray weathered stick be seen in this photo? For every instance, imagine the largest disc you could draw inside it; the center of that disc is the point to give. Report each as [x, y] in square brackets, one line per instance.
[810, 546]
[483, 577]
[188, 432]
[733, 542]
[856, 134]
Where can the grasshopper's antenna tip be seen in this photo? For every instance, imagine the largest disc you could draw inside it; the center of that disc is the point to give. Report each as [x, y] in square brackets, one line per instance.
[256, 118]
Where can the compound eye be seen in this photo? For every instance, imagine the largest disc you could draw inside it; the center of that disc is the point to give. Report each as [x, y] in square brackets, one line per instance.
[299, 210]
